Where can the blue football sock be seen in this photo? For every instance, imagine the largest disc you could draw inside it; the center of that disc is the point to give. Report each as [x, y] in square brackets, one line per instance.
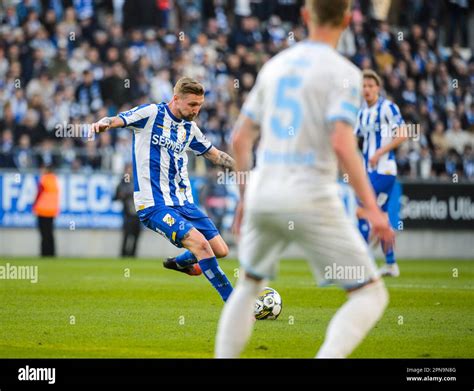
[389, 255]
[364, 229]
[216, 276]
[185, 259]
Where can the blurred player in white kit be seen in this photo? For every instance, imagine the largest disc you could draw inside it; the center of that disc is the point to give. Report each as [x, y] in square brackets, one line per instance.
[304, 107]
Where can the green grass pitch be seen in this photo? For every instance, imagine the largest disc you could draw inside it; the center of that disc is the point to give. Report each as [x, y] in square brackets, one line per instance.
[135, 308]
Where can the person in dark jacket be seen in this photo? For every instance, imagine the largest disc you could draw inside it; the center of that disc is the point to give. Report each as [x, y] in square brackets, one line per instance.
[131, 224]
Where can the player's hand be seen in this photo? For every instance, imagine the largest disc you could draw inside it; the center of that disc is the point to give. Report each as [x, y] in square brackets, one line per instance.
[100, 126]
[380, 226]
[239, 213]
[374, 159]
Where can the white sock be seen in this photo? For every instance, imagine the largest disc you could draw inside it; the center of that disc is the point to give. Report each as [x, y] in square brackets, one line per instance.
[354, 320]
[236, 322]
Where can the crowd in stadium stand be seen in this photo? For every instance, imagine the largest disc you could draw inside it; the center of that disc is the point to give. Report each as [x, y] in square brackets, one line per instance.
[64, 64]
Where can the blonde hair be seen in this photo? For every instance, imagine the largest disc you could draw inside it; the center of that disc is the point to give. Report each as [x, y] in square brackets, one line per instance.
[187, 85]
[370, 74]
[328, 12]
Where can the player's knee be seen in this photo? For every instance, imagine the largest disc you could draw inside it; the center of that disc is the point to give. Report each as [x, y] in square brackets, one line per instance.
[379, 294]
[198, 245]
[222, 251]
[203, 249]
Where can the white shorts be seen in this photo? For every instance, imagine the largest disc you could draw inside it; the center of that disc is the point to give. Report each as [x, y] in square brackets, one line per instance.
[331, 243]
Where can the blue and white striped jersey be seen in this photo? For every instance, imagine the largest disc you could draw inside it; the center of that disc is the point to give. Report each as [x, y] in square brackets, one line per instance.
[160, 142]
[376, 125]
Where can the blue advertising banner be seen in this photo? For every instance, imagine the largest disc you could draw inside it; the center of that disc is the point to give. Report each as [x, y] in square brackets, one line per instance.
[86, 201]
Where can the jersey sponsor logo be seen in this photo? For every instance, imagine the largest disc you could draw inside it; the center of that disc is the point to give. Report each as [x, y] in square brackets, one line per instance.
[167, 143]
[295, 158]
[168, 219]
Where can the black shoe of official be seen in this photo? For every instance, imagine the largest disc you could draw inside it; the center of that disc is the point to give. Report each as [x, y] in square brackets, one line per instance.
[192, 270]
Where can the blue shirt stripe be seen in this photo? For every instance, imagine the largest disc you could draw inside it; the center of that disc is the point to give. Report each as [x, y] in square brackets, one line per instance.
[136, 186]
[173, 166]
[155, 158]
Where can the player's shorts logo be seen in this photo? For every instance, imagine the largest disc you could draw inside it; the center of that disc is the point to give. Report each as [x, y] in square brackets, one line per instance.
[160, 232]
[168, 219]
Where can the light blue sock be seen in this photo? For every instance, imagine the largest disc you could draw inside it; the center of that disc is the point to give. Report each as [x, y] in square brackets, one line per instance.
[216, 277]
[185, 259]
[389, 255]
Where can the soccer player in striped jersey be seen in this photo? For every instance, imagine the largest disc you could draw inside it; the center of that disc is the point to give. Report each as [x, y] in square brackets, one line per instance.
[162, 133]
[381, 126]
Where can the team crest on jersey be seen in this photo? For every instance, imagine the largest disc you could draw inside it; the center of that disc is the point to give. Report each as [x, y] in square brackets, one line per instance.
[181, 134]
[168, 219]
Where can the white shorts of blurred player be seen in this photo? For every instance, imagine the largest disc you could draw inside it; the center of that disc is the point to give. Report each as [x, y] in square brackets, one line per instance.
[331, 243]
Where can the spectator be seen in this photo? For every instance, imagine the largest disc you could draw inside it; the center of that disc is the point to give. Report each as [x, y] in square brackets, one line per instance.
[458, 12]
[424, 163]
[23, 155]
[32, 126]
[41, 86]
[6, 149]
[468, 162]
[457, 138]
[438, 138]
[438, 163]
[161, 87]
[88, 94]
[108, 55]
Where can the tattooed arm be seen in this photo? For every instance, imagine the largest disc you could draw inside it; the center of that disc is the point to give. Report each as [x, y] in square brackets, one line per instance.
[220, 158]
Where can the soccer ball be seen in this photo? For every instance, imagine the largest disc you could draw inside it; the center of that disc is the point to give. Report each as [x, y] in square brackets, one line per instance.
[268, 304]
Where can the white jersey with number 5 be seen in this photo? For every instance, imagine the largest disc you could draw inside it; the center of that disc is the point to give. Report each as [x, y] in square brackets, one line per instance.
[297, 96]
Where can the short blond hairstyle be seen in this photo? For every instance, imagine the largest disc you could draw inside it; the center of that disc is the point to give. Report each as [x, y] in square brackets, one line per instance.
[328, 12]
[370, 74]
[187, 85]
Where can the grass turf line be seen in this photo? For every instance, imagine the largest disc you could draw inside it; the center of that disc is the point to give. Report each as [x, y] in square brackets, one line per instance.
[94, 308]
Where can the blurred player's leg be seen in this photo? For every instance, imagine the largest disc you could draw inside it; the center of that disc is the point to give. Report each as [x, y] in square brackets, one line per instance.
[338, 253]
[236, 322]
[383, 187]
[261, 243]
[354, 320]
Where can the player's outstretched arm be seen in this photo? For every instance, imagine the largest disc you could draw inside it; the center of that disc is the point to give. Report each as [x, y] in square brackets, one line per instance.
[243, 140]
[220, 158]
[106, 123]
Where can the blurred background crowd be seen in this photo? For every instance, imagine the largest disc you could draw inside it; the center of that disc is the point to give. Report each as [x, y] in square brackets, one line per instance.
[67, 63]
